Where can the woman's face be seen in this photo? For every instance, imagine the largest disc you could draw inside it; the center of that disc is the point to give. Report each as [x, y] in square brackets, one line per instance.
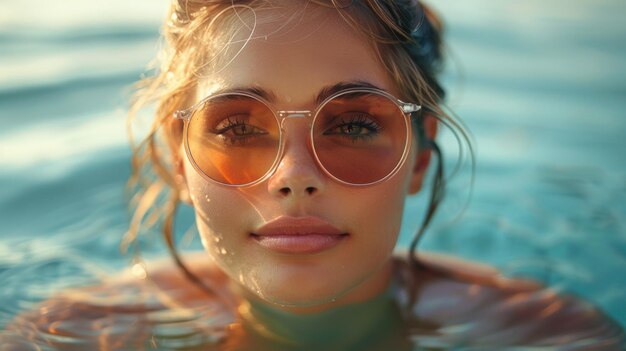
[295, 64]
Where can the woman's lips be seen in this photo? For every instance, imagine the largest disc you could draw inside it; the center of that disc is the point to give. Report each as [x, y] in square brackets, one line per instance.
[298, 235]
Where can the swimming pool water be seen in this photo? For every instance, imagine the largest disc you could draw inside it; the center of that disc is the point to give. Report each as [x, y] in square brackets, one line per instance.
[541, 85]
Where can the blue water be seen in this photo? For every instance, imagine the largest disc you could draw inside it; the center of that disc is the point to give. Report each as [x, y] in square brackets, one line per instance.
[541, 85]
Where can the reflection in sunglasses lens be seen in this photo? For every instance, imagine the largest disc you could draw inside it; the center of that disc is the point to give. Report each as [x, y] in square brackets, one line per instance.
[234, 139]
[359, 138]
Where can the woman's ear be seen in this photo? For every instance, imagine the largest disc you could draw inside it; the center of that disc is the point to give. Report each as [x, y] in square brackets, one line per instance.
[181, 179]
[422, 159]
[173, 135]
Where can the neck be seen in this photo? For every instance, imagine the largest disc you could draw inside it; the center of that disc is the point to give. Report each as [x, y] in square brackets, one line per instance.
[356, 325]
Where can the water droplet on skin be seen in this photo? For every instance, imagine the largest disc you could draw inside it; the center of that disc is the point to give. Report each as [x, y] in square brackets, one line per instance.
[206, 197]
[203, 240]
[223, 251]
[217, 239]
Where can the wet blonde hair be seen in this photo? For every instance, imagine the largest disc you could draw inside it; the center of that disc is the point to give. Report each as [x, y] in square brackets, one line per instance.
[198, 38]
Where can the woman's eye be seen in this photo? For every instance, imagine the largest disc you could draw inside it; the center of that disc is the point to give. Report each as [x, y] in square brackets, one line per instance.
[243, 130]
[353, 129]
[354, 126]
[235, 130]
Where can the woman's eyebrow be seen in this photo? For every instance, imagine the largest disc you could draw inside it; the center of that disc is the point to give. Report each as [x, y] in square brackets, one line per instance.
[267, 95]
[324, 93]
[335, 88]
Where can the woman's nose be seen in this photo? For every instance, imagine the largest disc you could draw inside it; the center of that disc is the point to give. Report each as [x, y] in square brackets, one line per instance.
[297, 174]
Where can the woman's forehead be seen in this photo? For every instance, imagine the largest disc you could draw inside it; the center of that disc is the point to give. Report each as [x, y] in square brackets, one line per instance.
[295, 60]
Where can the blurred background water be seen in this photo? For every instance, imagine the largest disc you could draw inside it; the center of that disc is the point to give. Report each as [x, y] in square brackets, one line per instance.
[541, 85]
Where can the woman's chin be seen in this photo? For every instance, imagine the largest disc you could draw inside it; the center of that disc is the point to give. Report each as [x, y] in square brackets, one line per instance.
[319, 281]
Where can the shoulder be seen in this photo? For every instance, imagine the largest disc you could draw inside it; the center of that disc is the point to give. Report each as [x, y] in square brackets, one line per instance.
[469, 301]
[126, 308]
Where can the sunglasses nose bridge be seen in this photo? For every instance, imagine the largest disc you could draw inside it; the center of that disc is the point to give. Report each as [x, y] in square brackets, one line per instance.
[296, 114]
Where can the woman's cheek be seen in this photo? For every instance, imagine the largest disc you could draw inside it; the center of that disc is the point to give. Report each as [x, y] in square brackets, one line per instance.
[223, 217]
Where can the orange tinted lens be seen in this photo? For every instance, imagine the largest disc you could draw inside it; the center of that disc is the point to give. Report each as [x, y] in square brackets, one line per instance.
[233, 139]
[360, 137]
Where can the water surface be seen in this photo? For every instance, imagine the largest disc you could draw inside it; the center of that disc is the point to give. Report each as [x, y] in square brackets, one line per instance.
[541, 86]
